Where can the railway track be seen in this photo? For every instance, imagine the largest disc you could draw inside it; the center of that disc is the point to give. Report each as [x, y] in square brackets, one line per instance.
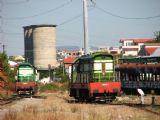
[145, 107]
[5, 101]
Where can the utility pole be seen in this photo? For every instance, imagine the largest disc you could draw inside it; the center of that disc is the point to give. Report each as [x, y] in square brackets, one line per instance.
[85, 23]
[3, 48]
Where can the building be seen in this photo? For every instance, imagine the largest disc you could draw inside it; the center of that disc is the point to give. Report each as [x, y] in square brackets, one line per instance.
[131, 47]
[68, 61]
[148, 49]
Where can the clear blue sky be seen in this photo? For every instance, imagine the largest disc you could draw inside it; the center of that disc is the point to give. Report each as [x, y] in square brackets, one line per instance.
[109, 21]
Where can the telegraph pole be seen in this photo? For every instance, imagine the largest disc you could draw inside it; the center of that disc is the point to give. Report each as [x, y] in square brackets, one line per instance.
[3, 48]
[85, 23]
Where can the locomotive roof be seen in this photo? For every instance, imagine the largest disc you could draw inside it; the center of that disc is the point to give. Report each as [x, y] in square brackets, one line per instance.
[25, 63]
[92, 56]
[101, 54]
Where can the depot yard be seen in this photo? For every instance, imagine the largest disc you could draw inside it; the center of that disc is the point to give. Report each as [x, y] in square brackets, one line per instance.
[55, 106]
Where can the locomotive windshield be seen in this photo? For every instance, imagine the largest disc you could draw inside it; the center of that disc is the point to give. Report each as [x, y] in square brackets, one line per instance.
[25, 71]
[81, 70]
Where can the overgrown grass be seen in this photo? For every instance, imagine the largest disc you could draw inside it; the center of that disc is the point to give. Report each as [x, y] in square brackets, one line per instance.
[32, 112]
[52, 87]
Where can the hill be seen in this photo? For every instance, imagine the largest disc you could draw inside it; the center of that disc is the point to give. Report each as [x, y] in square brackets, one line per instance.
[69, 48]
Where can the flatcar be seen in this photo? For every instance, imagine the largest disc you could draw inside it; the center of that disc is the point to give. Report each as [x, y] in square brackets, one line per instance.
[26, 79]
[139, 72]
[93, 78]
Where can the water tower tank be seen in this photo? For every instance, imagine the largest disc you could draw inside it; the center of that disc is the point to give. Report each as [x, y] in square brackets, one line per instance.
[40, 45]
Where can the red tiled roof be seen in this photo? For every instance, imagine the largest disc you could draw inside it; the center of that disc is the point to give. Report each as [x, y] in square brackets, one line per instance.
[138, 40]
[69, 60]
[143, 40]
[150, 50]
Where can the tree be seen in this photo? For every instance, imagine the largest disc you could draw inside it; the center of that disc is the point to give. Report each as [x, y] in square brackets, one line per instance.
[157, 39]
[5, 66]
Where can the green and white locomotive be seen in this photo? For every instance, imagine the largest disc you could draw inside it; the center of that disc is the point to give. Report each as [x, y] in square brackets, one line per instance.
[93, 77]
[26, 79]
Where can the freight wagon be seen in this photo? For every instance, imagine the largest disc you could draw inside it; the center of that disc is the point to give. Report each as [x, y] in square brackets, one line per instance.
[139, 72]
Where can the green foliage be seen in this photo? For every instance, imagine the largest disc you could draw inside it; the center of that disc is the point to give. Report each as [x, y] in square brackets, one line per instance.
[157, 39]
[4, 62]
[44, 74]
[54, 87]
[5, 66]
[61, 74]
[50, 87]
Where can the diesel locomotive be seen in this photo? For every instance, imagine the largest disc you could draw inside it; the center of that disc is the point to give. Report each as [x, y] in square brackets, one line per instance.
[93, 78]
[26, 79]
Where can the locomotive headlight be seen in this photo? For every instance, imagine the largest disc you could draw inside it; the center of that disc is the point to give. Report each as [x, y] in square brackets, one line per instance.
[24, 83]
[105, 84]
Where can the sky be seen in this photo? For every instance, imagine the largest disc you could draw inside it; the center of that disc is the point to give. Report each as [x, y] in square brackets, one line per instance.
[109, 21]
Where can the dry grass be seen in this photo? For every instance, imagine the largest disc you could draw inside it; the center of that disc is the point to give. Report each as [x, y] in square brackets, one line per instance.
[75, 109]
[10, 115]
[56, 108]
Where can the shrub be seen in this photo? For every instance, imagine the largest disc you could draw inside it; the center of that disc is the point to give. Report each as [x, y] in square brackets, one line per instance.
[56, 86]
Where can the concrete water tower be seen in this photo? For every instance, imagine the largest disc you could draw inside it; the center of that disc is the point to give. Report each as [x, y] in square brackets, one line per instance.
[40, 45]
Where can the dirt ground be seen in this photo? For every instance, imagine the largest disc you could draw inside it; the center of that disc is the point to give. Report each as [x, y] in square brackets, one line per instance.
[56, 107]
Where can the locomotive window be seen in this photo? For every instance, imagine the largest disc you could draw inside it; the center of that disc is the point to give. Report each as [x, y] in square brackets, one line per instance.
[74, 73]
[97, 66]
[84, 67]
[25, 71]
[109, 66]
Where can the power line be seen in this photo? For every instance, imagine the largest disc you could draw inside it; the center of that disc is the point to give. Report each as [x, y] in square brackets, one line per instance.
[122, 17]
[39, 14]
[17, 2]
[70, 20]
[10, 33]
[73, 18]
[60, 24]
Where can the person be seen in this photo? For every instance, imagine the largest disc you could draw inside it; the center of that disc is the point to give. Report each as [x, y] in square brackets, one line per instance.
[141, 93]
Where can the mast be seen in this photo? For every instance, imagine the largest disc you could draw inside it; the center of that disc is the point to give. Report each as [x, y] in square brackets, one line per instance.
[85, 23]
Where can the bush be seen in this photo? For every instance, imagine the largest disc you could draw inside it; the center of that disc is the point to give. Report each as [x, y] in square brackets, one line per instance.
[56, 86]
[5, 66]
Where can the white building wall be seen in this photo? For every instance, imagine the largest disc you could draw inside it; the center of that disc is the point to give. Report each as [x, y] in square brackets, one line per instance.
[130, 53]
